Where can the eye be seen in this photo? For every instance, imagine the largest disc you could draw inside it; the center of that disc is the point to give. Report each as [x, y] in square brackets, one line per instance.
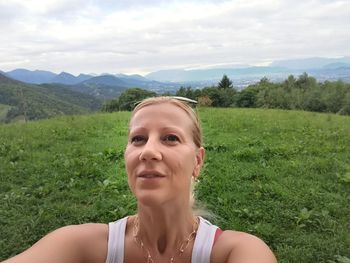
[171, 138]
[137, 140]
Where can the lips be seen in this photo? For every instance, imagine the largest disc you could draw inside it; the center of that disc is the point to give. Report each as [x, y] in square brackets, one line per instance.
[150, 175]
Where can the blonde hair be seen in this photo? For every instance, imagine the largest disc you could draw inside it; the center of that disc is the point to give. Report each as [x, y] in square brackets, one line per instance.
[181, 103]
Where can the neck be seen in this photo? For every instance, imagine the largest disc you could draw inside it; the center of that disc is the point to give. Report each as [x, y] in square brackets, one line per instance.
[162, 231]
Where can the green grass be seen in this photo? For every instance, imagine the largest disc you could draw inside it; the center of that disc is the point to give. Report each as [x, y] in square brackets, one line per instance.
[281, 175]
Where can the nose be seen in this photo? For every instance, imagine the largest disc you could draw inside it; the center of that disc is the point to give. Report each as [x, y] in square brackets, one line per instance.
[150, 151]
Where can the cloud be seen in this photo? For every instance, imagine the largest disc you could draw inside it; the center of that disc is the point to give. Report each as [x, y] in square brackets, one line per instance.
[141, 36]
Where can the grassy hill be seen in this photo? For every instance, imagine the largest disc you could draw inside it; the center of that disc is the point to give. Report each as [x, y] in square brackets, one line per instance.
[281, 175]
[3, 112]
[37, 102]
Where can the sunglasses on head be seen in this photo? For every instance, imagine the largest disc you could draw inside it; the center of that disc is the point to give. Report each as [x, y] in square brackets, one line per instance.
[190, 102]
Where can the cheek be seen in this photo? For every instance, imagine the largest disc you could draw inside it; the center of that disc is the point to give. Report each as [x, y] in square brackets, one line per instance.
[184, 163]
[129, 167]
[130, 159]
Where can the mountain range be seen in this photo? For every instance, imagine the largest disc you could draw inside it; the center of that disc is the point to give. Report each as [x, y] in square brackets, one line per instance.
[26, 94]
[320, 68]
[118, 80]
[171, 79]
[23, 101]
[312, 63]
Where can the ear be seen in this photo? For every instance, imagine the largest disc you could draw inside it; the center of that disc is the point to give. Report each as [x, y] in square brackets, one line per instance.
[200, 153]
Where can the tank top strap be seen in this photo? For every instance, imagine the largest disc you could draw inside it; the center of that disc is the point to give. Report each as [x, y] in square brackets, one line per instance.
[201, 249]
[116, 237]
[204, 242]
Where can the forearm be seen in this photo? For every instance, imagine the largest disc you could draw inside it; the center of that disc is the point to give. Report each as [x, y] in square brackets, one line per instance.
[56, 247]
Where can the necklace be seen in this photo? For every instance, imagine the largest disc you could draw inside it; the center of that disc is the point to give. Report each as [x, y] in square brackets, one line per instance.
[183, 246]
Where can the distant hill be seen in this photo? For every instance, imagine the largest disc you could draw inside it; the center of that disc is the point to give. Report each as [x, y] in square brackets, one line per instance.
[132, 77]
[34, 77]
[139, 81]
[321, 68]
[4, 109]
[337, 65]
[103, 87]
[309, 63]
[4, 79]
[37, 102]
[110, 86]
[41, 76]
[210, 74]
[64, 78]
[169, 80]
[83, 77]
[331, 73]
[117, 81]
[108, 80]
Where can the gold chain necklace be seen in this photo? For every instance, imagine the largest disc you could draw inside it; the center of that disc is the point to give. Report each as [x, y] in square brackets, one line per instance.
[183, 245]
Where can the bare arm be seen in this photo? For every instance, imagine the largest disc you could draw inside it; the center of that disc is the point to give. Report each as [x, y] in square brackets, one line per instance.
[250, 249]
[71, 244]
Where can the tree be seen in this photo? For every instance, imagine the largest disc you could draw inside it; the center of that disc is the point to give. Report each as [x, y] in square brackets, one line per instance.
[345, 110]
[197, 93]
[220, 97]
[247, 97]
[181, 92]
[186, 92]
[225, 83]
[264, 82]
[213, 94]
[334, 94]
[305, 82]
[204, 101]
[127, 100]
[110, 105]
[289, 83]
[23, 104]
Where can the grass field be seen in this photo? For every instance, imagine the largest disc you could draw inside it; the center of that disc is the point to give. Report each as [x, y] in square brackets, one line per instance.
[281, 175]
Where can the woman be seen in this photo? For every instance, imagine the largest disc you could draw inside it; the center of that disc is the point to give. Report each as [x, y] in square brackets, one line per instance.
[163, 156]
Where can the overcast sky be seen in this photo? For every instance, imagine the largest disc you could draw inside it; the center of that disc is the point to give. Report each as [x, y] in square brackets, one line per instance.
[135, 36]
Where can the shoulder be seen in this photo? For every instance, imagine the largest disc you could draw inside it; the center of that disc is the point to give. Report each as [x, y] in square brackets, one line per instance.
[86, 243]
[235, 246]
[89, 240]
[81, 231]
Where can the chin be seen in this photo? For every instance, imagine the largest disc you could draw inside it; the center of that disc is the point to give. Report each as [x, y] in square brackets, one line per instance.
[152, 198]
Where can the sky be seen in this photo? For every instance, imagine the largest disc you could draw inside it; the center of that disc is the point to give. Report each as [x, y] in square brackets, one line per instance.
[138, 37]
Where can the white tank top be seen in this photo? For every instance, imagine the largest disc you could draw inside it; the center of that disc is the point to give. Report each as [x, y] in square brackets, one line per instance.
[202, 246]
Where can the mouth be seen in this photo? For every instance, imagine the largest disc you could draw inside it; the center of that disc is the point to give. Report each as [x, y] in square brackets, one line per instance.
[150, 175]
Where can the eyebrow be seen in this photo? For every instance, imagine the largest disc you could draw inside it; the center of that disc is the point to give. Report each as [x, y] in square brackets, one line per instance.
[141, 128]
[174, 129]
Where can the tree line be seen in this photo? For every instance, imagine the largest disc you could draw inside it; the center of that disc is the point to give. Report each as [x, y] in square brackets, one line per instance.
[301, 93]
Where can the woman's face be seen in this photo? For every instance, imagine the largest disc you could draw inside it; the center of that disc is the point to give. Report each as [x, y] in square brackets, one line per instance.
[161, 156]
